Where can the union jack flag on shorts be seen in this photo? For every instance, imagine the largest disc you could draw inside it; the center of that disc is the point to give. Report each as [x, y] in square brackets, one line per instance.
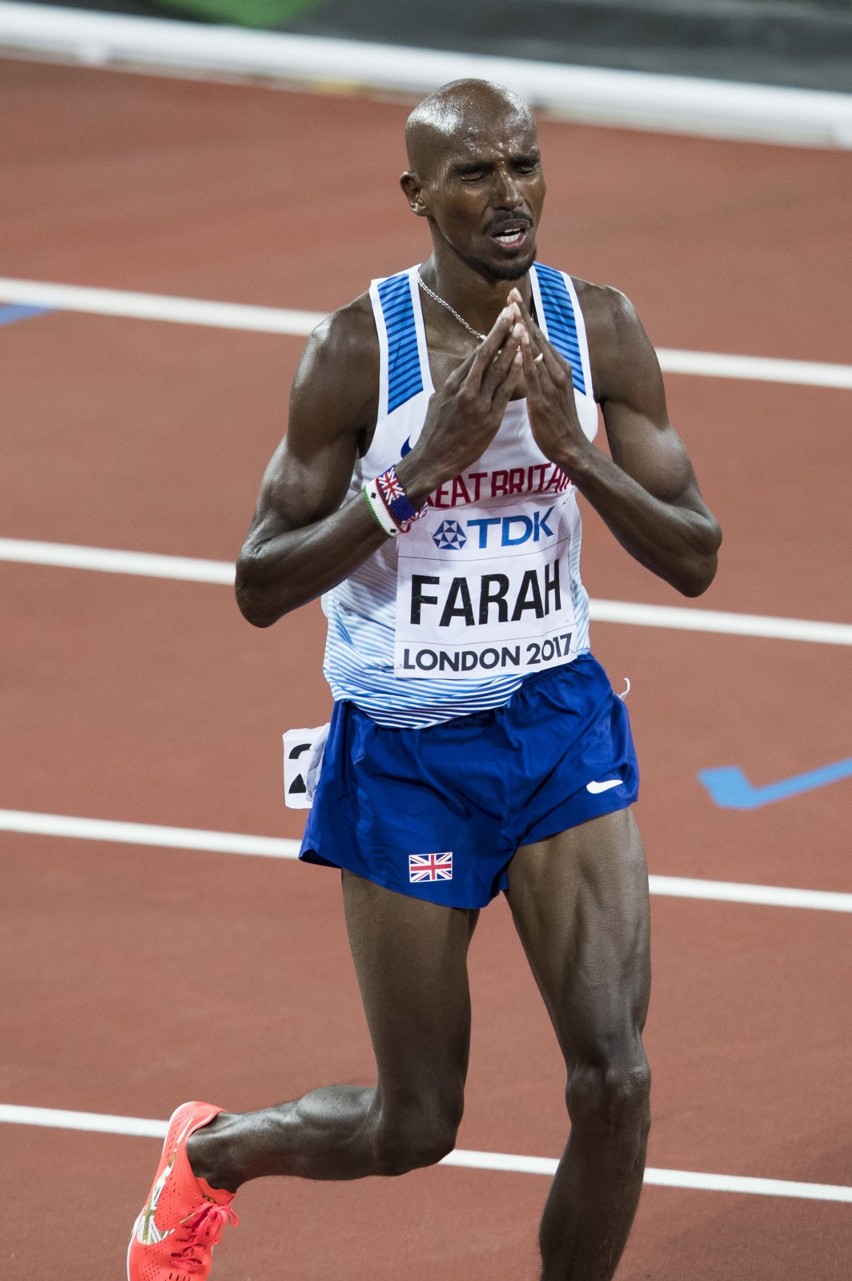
[430, 867]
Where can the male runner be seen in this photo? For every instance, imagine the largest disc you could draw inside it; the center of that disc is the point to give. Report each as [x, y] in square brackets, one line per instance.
[440, 429]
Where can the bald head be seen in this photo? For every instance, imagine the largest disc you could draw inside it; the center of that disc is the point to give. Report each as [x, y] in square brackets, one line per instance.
[457, 111]
[475, 174]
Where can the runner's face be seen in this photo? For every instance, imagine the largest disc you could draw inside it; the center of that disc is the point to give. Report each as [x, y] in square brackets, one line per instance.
[485, 195]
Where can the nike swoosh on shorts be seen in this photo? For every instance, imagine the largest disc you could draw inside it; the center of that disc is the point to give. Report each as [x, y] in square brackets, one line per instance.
[594, 787]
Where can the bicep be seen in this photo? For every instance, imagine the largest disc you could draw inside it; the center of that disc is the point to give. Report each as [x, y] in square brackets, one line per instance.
[331, 404]
[641, 438]
[650, 451]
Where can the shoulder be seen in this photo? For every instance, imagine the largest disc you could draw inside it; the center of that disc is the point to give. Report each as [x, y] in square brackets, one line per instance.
[609, 314]
[338, 373]
[346, 339]
[620, 350]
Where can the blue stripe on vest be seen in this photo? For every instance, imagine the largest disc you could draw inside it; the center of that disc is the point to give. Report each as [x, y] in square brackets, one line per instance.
[404, 377]
[559, 317]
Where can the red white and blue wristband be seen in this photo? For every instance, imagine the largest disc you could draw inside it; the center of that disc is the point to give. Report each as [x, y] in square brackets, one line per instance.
[390, 505]
[379, 512]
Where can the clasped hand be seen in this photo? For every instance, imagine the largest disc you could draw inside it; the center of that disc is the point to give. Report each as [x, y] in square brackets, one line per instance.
[465, 415]
[550, 393]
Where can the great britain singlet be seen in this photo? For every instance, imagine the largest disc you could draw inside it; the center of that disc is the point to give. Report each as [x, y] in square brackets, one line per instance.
[485, 588]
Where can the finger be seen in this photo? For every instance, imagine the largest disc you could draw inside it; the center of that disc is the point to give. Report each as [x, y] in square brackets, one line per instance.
[478, 361]
[547, 359]
[533, 364]
[507, 359]
[525, 316]
[539, 341]
[495, 340]
[538, 344]
[506, 389]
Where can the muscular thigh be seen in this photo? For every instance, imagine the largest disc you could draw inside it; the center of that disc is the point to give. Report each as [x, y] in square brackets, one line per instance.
[580, 905]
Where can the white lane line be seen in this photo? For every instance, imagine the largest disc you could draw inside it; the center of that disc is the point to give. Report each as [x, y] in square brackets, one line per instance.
[111, 561]
[748, 1186]
[737, 892]
[107, 560]
[138, 1127]
[596, 95]
[708, 364]
[187, 838]
[462, 1158]
[720, 622]
[175, 838]
[507, 1161]
[178, 311]
[278, 320]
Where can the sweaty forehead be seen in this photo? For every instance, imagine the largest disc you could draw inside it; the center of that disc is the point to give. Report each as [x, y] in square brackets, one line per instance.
[469, 121]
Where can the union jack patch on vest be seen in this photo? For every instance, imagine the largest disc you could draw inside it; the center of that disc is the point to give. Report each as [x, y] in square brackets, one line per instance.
[430, 867]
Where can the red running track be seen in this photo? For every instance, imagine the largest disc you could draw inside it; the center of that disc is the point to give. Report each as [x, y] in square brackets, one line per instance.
[132, 978]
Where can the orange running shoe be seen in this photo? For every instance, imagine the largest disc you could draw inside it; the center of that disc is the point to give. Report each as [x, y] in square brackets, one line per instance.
[183, 1218]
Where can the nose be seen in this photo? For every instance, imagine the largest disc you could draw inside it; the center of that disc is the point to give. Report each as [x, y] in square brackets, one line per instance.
[507, 189]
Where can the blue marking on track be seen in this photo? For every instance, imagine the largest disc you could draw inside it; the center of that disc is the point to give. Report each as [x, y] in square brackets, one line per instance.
[730, 788]
[19, 311]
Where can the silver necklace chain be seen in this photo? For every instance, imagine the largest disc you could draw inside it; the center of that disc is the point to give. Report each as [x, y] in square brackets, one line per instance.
[470, 329]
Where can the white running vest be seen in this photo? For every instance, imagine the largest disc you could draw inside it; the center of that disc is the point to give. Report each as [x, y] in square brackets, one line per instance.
[485, 588]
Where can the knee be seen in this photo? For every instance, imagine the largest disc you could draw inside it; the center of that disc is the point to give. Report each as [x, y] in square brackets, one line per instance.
[609, 1099]
[417, 1136]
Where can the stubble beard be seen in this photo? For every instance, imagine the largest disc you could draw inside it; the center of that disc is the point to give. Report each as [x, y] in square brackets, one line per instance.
[505, 271]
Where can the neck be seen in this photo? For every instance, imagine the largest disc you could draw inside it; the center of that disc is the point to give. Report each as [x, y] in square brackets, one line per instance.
[476, 296]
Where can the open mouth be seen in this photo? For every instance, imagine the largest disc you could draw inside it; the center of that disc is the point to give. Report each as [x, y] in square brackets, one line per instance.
[510, 235]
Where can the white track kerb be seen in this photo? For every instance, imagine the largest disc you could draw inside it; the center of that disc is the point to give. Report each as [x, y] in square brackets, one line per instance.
[627, 99]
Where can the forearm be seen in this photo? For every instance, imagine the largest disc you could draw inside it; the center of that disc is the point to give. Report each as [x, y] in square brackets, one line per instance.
[279, 572]
[676, 540]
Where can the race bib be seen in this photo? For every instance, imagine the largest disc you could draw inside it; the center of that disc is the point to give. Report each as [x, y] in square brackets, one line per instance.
[484, 594]
[303, 753]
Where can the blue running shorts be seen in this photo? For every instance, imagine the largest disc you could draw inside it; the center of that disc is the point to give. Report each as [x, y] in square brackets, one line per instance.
[437, 813]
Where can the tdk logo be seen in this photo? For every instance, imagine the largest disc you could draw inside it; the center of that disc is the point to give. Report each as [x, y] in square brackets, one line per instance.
[494, 531]
[449, 536]
[511, 531]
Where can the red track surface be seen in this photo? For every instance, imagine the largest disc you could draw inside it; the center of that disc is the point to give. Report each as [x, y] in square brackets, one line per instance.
[132, 978]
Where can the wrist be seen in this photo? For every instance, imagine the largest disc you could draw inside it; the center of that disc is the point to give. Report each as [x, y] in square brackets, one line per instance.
[378, 510]
[581, 463]
[390, 504]
[419, 478]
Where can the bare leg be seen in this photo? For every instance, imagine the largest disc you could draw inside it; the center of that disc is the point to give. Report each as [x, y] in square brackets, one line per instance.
[411, 962]
[580, 904]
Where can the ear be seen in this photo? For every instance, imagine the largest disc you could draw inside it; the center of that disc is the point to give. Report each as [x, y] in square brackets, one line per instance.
[413, 189]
